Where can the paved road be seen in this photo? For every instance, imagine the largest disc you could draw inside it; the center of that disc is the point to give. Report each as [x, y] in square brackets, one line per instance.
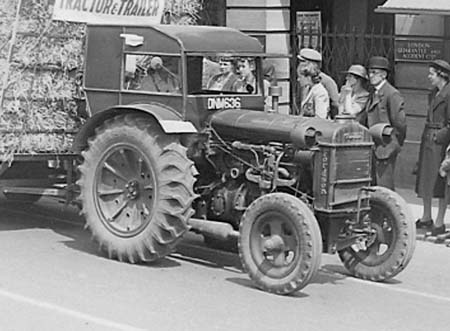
[53, 278]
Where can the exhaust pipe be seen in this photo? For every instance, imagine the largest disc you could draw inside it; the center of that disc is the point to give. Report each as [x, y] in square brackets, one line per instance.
[217, 230]
[275, 92]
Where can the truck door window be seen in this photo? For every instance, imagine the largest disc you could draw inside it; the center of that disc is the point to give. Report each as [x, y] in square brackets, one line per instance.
[152, 73]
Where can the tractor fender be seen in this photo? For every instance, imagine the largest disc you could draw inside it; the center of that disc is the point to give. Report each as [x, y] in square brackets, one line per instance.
[169, 120]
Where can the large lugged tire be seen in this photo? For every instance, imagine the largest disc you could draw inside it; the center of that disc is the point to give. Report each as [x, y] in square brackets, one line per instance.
[280, 244]
[393, 245]
[136, 189]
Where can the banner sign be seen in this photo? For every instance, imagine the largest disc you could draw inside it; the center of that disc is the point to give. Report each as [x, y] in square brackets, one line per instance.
[109, 11]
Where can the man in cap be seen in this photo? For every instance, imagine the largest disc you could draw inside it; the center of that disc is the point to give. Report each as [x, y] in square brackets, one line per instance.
[386, 105]
[309, 56]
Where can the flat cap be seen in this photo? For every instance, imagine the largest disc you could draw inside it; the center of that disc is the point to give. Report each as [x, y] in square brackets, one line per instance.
[441, 65]
[357, 70]
[309, 54]
[379, 62]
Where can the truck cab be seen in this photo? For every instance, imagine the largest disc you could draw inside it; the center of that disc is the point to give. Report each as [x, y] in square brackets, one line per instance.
[172, 67]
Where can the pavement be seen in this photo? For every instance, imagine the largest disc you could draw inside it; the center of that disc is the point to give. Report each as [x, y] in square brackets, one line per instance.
[416, 206]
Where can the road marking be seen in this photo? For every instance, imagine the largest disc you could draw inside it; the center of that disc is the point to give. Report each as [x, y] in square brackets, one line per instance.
[389, 287]
[66, 311]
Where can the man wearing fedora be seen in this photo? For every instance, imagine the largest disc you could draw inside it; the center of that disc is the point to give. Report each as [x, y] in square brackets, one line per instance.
[386, 105]
[308, 57]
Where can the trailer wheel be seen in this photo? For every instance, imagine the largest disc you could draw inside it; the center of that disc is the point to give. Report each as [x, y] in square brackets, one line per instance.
[280, 244]
[136, 189]
[392, 246]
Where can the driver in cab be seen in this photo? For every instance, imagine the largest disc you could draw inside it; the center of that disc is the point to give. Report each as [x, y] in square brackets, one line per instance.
[158, 78]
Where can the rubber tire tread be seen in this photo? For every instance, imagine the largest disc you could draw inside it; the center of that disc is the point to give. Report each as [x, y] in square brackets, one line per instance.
[308, 231]
[403, 248]
[174, 174]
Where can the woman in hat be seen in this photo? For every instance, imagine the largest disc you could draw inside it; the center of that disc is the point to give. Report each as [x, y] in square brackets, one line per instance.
[315, 99]
[435, 138]
[354, 95]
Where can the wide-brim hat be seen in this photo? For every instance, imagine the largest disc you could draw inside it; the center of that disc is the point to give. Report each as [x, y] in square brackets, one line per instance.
[357, 70]
[379, 62]
[309, 54]
[441, 65]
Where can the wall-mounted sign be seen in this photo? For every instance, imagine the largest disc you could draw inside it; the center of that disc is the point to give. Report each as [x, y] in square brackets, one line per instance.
[309, 29]
[418, 50]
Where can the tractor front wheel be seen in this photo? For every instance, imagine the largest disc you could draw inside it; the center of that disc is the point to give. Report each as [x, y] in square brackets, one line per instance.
[280, 244]
[392, 243]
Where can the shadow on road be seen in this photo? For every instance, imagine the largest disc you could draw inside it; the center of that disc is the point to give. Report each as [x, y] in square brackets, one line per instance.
[212, 258]
[340, 272]
[246, 282]
[65, 221]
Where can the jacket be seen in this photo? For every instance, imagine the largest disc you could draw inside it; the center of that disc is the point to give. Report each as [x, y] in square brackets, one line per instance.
[333, 93]
[316, 102]
[440, 114]
[387, 106]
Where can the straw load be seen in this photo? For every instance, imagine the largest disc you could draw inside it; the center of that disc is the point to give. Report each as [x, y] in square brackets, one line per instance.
[41, 62]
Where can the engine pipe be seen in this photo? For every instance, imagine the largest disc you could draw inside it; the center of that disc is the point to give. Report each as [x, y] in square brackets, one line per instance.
[303, 157]
[275, 92]
[217, 230]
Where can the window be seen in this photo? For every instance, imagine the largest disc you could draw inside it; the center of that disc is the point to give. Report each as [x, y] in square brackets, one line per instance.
[152, 73]
[223, 74]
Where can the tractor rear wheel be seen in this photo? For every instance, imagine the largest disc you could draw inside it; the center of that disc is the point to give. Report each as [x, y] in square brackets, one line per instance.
[392, 245]
[280, 243]
[136, 189]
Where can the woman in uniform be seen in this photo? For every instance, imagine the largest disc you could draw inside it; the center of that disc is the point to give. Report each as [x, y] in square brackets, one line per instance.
[435, 138]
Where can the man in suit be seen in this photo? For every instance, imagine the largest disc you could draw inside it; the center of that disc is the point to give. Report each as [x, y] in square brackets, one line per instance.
[386, 105]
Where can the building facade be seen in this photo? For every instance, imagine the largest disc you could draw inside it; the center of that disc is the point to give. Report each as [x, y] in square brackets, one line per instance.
[409, 33]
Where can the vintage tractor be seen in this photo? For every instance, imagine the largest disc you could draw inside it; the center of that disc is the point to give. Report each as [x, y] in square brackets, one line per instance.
[178, 142]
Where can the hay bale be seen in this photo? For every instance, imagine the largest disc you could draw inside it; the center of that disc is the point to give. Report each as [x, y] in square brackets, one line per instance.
[39, 111]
